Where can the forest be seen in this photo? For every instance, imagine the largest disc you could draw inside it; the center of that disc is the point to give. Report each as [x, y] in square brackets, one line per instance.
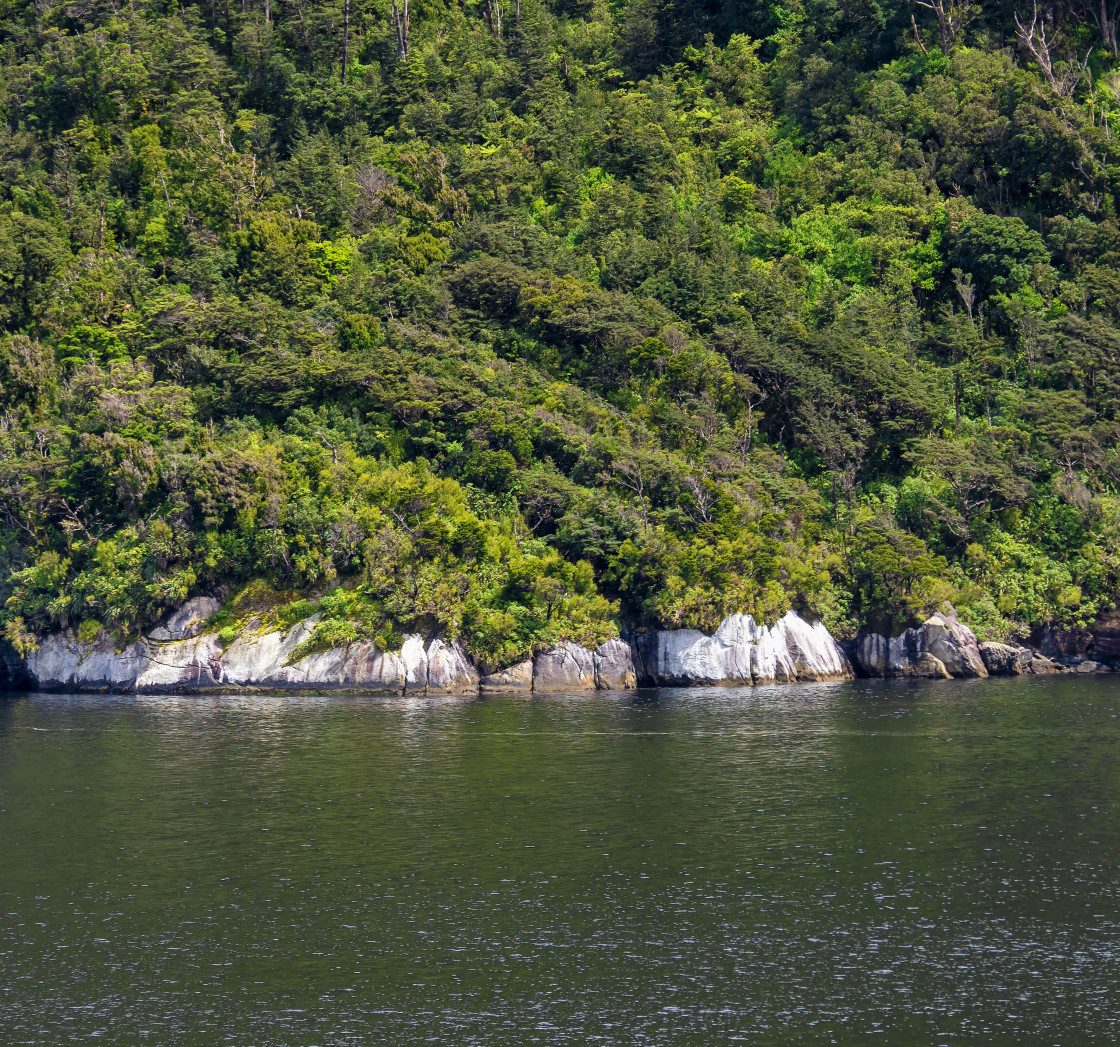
[530, 320]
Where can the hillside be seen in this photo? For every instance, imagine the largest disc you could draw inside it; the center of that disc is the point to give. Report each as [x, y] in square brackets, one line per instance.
[528, 321]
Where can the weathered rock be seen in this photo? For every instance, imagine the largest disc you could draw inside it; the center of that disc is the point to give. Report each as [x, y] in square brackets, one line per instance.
[449, 670]
[189, 620]
[930, 667]
[1040, 665]
[415, 661]
[1003, 659]
[951, 645]
[688, 657]
[517, 680]
[193, 663]
[1089, 666]
[63, 663]
[954, 644]
[741, 652]
[1106, 636]
[811, 650]
[567, 667]
[614, 667]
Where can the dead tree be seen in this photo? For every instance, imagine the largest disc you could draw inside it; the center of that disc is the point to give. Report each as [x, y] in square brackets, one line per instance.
[1099, 13]
[345, 38]
[1032, 36]
[952, 17]
[400, 16]
[494, 16]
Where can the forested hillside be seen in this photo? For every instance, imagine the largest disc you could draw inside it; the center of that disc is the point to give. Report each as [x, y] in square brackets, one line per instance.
[529, 320]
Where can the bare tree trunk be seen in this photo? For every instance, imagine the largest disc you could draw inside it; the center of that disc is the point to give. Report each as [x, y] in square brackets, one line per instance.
[400, 16]
[952, 17]
[267, 12]
[494, 16]
[1033, 38]
[345, 39]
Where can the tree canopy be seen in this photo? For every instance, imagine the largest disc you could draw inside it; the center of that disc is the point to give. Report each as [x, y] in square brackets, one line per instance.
[529, 320]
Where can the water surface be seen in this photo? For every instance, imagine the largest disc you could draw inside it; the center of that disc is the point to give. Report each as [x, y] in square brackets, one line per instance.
[916, 863]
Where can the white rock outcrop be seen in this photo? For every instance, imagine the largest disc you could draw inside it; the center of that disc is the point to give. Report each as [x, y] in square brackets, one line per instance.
[260, 661]
[188, 621]
[740, 652]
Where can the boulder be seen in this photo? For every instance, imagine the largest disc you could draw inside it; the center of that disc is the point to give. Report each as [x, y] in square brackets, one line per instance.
[567, 667]
[1040, 665]
[954, 644]
[614, 667]
[516, 680]
[1089, 666]
[1003, 659]
[929, 667]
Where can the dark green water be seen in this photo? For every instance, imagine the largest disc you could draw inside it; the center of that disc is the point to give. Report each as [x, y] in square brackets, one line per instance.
[838, 864]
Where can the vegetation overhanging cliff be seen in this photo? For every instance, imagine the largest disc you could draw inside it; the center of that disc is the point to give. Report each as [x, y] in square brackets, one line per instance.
[516, 320]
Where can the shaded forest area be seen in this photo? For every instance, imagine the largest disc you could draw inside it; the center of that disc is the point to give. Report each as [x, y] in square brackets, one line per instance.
[524, 320]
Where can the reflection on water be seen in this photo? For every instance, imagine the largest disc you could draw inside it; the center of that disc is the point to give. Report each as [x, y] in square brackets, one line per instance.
[937, 863]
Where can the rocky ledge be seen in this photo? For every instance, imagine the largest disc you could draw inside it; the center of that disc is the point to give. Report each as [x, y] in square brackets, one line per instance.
[942, 648]
[182, 656]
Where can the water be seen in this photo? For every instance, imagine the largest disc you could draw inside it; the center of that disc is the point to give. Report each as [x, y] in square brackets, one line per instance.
[932, 863]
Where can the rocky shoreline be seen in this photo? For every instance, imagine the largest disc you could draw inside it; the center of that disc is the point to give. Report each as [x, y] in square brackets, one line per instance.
[185, 655]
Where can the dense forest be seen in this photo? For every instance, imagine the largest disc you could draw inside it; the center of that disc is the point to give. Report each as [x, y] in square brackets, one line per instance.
[524, 320]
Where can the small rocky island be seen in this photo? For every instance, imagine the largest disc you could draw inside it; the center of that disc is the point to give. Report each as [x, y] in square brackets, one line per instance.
[187, 655]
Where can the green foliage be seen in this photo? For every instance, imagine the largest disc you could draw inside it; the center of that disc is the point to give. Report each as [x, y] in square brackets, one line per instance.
[628, 314]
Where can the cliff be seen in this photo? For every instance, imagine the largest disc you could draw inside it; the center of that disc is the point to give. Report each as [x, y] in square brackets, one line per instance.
[181, 656]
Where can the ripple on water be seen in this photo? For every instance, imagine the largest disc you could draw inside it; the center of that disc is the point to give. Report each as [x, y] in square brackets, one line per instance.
[935, 863]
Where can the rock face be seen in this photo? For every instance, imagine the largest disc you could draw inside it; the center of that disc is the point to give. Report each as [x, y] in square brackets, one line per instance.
[517, 680]
[567, 667]
[614, 667]
[939, 648]
[253, 662]
[739, 653]
[177, 657]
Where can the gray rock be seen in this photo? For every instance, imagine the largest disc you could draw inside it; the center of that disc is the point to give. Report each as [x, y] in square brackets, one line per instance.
[1089, 666]
[811, 651]
[1040, 665]
[449, 669]
[954, 644]
[189, 620]
[567, 667]
[614, 667]
[1003, 659]
[929, 667]
[941, 636]
[415, 660]
[516, 680]
[64, 663]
